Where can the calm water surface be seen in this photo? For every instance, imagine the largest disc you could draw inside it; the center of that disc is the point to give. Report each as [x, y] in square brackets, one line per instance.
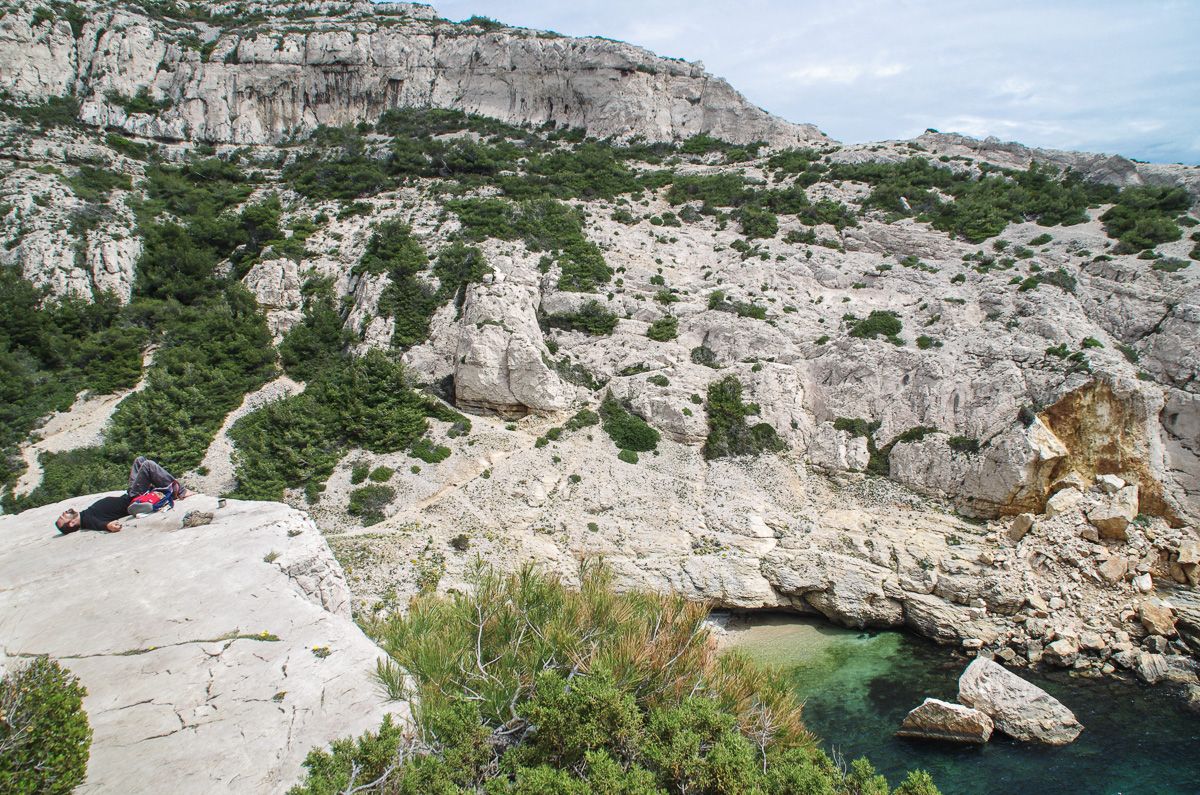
[858, 686]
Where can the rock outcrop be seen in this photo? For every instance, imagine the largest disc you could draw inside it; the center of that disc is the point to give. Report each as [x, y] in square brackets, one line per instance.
[941, 720]
[222, 81]
[217, 654]
[1021, 710]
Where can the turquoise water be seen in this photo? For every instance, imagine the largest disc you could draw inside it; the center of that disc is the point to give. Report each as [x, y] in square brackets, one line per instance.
[858, 686]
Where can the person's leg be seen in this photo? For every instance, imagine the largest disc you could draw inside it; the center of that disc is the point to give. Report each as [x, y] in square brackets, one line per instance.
[147, 474]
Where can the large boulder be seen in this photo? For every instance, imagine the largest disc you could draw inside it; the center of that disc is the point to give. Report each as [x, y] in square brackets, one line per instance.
[941, 720]
[1114, 513]
[217, 655]
[1020, 709]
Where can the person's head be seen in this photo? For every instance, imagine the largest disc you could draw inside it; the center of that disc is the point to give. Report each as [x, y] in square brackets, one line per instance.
[67, 521]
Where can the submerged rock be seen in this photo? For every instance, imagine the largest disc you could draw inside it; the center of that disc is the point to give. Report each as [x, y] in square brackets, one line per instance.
[941, 720]
[1020, 709]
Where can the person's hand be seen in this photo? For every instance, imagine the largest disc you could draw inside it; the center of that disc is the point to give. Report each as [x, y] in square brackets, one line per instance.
[113, 526]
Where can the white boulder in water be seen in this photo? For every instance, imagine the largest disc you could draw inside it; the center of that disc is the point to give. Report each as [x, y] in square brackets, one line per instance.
[1020, 709]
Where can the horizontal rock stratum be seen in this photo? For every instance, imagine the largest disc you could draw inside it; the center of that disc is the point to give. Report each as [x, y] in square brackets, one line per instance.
[215, 657]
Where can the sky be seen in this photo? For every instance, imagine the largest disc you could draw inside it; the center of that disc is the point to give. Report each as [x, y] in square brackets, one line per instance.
[1116, 76]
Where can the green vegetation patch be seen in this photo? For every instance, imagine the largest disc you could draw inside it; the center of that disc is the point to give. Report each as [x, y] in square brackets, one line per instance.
[591, 318]
[528, 686]
[1145, 216]
[369, 502]
[544, 225]
[627, 430]
[664, 329]
[879, 323]
[44, 730]
[728, 432]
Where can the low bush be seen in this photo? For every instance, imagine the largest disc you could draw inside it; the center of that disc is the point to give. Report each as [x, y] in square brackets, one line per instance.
[44, 732]
[964, 444]
[728, 432]
[592, 318]
[879, 322]
[526, 686]
[664, 329]
[369, 502]
[1144, 217]
[628, 431]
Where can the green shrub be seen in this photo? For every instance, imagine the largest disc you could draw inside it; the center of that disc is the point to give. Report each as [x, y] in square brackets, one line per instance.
[94, 184]
[592, 318]
[359, 472]
[296, 442]
[705, 356]
[628, 431]
[879, 322]
[626, 692]
[583, 419]
[1041, 240]
[925, 342]
[1144, 216]
[664, 329]
[139, 102]
[319, 339]
[382, 474]
[544, 225]
[368, 503]
[963, 444]
[728, 432]
[628, 456]
[758, 222]
[44, 731]
[428, 452]
[659, 380]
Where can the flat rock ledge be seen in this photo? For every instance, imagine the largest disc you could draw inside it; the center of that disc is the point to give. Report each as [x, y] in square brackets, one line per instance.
[215, 657]
[941, 720]
[1020, 709]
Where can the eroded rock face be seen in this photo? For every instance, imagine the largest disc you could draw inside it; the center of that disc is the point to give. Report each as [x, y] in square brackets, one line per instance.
[352, 62]
[196, 643]
[503, 365]
[1021, 710]
[941, 720]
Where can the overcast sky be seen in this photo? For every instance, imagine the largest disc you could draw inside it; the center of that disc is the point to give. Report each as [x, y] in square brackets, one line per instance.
[1094, 75]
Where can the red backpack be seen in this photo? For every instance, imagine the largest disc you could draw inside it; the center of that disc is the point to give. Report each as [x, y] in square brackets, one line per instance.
[152, 501]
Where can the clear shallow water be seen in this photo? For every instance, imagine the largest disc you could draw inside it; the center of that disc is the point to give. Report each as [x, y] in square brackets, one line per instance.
[858, 686]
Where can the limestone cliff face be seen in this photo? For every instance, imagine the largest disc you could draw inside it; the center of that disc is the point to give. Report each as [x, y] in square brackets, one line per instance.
[279, 70]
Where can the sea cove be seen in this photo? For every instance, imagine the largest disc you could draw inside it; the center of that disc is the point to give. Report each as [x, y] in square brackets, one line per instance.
[857, 687]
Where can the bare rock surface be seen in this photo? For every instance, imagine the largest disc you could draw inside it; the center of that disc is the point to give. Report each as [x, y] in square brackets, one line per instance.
[196, 645]
[356, 60]
[1020, 709]
[941, 720]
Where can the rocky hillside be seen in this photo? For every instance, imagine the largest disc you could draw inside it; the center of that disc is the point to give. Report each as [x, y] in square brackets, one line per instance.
[734, 357]
[228, 697]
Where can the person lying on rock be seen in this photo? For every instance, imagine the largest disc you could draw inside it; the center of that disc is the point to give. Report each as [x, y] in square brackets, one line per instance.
[105, 513]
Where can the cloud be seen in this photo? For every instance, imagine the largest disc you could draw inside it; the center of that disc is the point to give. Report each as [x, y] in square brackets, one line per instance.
[843, 74]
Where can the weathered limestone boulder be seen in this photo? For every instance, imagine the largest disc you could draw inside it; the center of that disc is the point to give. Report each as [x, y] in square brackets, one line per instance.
[1114, 513]
[1020, 525]
[1063, 501]
[942, 720]
[1114, 568]
[1157, 617]
[1109, 484]
[217, 655]
[1020, 709]
[1062, 652]
[502, 359]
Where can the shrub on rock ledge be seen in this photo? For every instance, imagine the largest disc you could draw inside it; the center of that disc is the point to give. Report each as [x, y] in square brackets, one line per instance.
[44, 732]
[728, 433]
